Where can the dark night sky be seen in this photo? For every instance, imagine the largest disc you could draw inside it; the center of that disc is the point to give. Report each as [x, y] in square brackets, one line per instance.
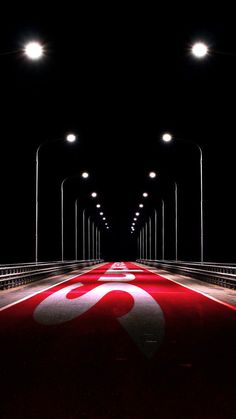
[119, 76]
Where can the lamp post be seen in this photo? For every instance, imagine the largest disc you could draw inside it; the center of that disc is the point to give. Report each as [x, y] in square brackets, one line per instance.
[99, 244]
[76, 229]
[163, 229]
[150, 238]
[84, 175]
[176, 221]
[69, 138]
[155, 237]
[93, 241]
[168, 138]
[94, 246]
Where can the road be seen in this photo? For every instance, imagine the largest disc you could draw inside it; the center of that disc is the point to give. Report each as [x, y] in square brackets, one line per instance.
[117, 341]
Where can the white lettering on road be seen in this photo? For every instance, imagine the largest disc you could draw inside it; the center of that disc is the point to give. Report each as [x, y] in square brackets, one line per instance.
[144, 322]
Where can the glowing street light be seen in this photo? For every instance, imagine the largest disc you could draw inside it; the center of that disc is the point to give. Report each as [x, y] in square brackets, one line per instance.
[201, 195]
[104, 218]
[85, 175]
[137, 214]
[71, 138]
[101, 213]
[93, 235]
[167, 137]
[135, 219]
[145, 194]
[140, 205]
[94, 194]
[37, 194]
[62, 215]
[199, 50]
[152, 175]
[34, 50]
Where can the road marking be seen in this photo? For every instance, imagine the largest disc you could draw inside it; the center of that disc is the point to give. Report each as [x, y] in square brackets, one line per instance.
[199, 292]
[45, 289]
[144, 322]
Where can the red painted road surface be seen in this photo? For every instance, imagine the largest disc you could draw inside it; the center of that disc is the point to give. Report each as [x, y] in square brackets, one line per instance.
[118, 342]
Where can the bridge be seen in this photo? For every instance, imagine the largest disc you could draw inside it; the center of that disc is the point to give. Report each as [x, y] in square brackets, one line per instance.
[117, 215]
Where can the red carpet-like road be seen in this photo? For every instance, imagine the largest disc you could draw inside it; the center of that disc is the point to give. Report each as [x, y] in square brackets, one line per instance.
[118, 342]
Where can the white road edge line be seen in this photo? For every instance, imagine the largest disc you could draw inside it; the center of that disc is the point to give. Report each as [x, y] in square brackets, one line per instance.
[48, 288]
[199, 292]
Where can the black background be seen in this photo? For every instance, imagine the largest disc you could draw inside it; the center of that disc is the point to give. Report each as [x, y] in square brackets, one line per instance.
[119, 76]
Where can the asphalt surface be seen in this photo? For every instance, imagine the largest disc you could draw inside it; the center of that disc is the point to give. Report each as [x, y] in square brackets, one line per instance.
[118, 341]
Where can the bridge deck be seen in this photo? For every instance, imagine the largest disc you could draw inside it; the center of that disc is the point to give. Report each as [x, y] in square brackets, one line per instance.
[118, 341]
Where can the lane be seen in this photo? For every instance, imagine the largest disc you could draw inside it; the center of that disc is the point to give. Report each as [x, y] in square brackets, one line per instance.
[219, 293]
[118, 341]
[12, 296]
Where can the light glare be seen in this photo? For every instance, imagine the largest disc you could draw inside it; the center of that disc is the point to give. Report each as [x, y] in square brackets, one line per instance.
[85, 175]
[98, 206]
[167, 137]
[71, 138]
[145, 194]
[199, 49]
[94, 194]
[152, 175]
[33, 50]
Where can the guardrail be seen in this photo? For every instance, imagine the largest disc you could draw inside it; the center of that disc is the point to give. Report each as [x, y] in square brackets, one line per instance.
[15, 275]
[214, 273]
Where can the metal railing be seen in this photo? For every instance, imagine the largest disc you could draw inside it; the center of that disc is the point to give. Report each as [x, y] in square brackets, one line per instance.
[214, 273]
[23, 273]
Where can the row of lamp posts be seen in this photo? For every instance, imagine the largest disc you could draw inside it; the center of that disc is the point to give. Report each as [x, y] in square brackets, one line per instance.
[143, 235]
[34, 51]
[91, 249]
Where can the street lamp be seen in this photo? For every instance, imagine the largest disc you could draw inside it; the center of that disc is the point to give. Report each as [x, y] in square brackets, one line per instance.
[33, 50]
[85, 175]
[93, 244]
[37, 191]
[76, 231]
[199, 50]
[62, 212]
[167, 137]
[152, 175]
[201, 193]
